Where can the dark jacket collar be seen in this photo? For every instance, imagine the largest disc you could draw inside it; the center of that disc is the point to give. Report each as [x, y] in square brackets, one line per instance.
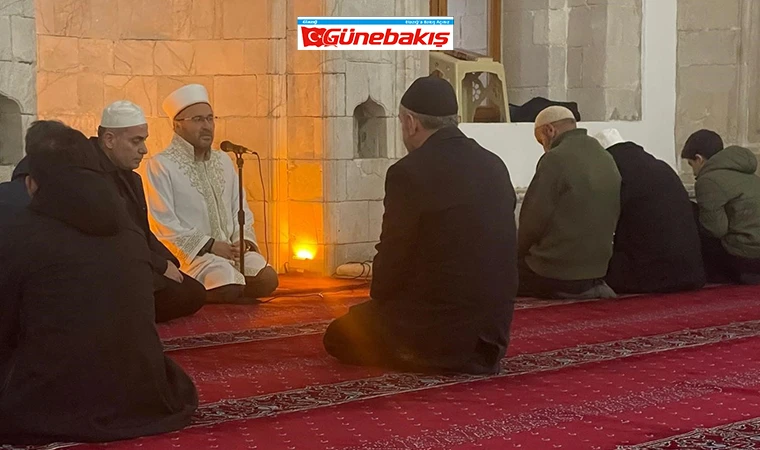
[442, 135]
[105, 162]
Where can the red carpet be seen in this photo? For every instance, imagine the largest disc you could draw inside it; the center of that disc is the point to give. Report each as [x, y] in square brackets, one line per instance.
[650, 372]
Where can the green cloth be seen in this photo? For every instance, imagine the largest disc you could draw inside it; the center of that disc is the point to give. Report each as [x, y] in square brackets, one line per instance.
[571, 210]
[728, 194]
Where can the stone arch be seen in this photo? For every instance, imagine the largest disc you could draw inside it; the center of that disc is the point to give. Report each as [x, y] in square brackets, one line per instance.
[11, 131]
[370, 130]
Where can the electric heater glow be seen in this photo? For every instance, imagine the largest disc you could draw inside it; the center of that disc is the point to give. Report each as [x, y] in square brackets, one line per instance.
[304, 254]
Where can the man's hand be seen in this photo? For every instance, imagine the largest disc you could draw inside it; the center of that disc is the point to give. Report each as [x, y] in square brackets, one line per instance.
[225, 250]
[172, 272]
[249, 247]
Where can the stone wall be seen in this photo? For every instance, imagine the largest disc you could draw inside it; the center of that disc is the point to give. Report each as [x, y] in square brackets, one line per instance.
[587, 51]
[718, 62]
[18, 104]
[470, 24]
[95, 52]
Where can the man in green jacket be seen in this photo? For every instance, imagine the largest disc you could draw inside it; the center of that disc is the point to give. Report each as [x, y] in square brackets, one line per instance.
[569, 214]
[728, 199]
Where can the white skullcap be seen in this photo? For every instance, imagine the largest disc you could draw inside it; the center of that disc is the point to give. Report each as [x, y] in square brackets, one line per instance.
[553, 114]
[183, 97]
[609, 137]
[122, 114]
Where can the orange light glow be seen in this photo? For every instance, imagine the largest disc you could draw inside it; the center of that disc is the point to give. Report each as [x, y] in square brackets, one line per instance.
[304, 253]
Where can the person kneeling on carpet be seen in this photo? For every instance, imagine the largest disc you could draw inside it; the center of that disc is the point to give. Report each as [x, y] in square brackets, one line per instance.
[569, 214]
[656, 245]
[728, 208]
[445, 273]
[80, 358]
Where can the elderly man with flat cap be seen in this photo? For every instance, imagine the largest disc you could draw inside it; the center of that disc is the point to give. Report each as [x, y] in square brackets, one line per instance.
[120, 143]
[569, 214]
[193, 202]
[445, 273]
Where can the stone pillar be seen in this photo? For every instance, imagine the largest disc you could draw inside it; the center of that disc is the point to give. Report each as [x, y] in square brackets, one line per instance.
[18, 99]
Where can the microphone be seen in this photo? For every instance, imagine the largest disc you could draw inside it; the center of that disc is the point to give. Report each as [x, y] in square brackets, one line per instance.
[229, 147]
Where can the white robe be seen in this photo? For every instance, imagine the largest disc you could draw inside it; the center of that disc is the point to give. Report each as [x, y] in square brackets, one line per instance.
[193, 201]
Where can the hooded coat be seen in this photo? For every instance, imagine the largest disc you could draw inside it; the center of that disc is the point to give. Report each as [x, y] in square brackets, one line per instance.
[80, 358]
[728, 194]
[14, 192]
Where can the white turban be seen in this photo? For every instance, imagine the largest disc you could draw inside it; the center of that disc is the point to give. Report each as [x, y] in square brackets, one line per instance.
[122, 114]
[553, 114]
[609, 137]
[183, 97]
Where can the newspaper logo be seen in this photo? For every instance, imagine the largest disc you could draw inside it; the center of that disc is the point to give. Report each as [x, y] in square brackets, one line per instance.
[375, 33]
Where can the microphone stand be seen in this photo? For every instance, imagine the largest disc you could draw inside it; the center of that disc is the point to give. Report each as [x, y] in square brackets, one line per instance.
[241, 212]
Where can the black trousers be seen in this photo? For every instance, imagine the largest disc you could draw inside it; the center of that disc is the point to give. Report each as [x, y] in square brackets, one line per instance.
[174, 300]
[537, 286]
[722, 267]
[262, 285]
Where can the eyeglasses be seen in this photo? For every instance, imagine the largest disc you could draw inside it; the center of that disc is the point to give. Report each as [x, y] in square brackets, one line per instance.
[199, 119]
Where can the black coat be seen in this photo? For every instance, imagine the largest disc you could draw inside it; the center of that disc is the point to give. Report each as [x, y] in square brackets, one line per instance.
[80, 358]
[14, 192]
[445, 273]
[657, 246]
[130, 187]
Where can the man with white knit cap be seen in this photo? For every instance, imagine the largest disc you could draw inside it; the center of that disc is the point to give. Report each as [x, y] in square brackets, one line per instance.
[657, 245]
[193, 202]
[120, 143]
[569, 214]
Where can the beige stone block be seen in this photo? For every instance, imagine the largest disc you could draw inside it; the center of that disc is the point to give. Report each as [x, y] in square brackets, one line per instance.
[575, 67]
[708, 47]
[623, 104]
[133, 57]
[365, 179]
[67, 17]
[587, 26]
[541, 27]
[339, 137]
[263, 56]
[594, 65]
[531, 68]
[557, 27]
[349, 221]
[255, 191]
[376, 211]
[519, 96]
[334, 87]
[195, 19]
[219, 57]
[160, 134]
[302, 8]
[45, 16]
[335, 189]
[709, 14]
[360, 8]
[58, 54]
[371, 56]
[174, 58]
[516, 26]
[623, 67]
[305, 138]
[24, 39]
[18, 81]
[246, 19]
[302, 61]
[525, 5]
[96, 55]
[305, 180]
[624, 26]
[557, 66]
[102, 19]
[358, 252]
[90, 88]
[334, 62]
[306, 222]
[475, 32]
[17, 8]
[6, 171]
[6, 52]
[167, 85]
[236, 95]
[591, 103]
[141, 90]
[272, 95]
[135, 23]
[304, 95]
[57, 93]
[364, 80]
[252, 132]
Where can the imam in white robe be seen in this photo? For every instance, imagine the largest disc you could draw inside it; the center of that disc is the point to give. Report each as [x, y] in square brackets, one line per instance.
[191, 201]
